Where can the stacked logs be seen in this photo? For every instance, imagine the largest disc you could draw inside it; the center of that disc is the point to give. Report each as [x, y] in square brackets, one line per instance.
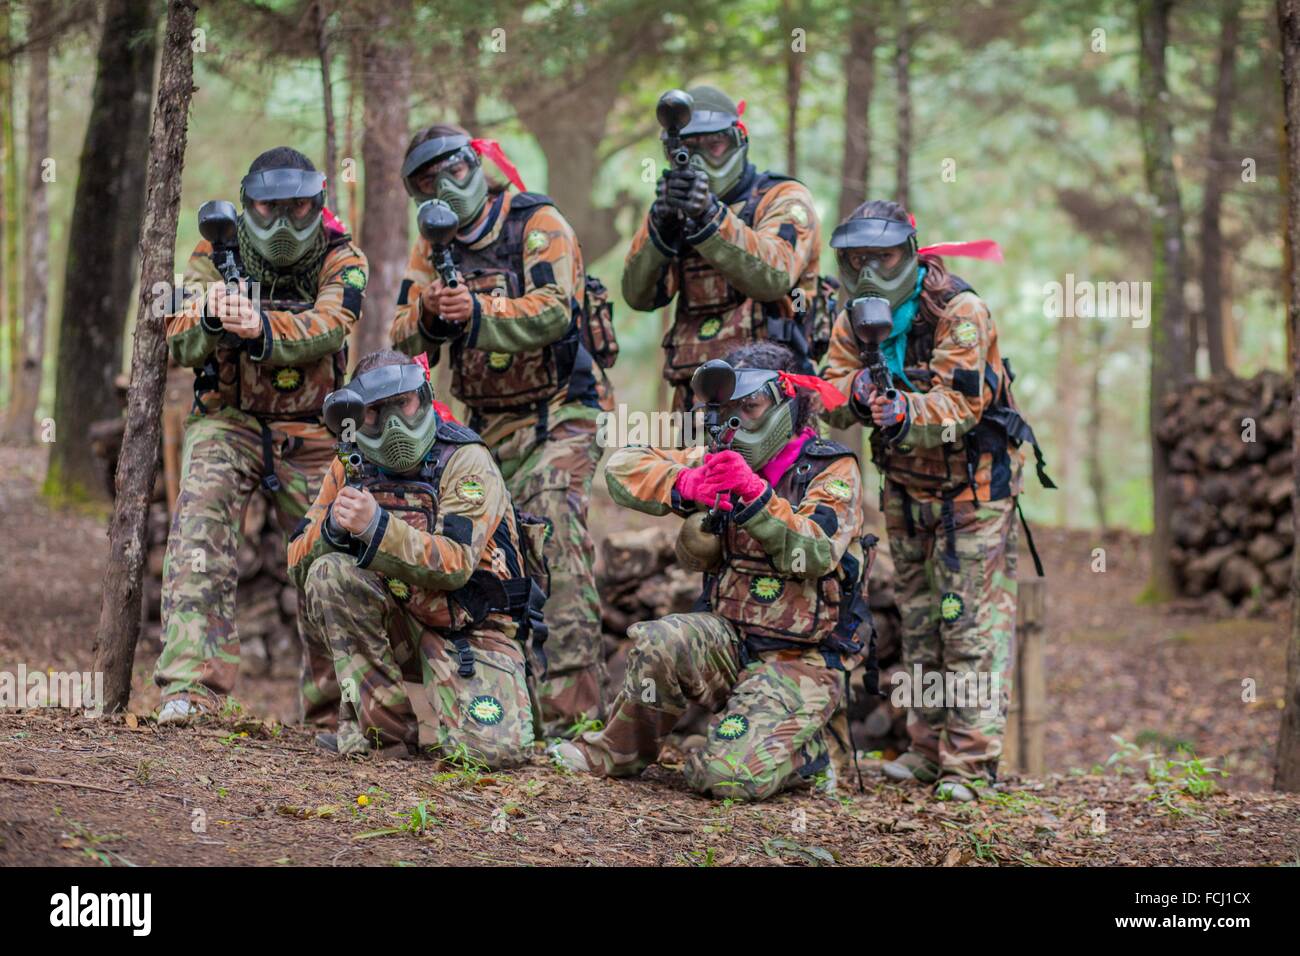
[1228, 443]
[639, 580]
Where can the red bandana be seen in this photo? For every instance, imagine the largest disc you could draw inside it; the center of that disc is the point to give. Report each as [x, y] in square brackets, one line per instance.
[969, 249]
[831, 396]
[493, 151]
[443, 411]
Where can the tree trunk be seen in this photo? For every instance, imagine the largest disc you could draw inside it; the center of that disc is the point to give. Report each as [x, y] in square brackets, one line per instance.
[137, 464]
[385, 217]
[1287, 776]
[27, 387]
[1096, 467]
[470, 91]
[793, 84]
[1213, 261]
[903, 80]
[1066, 454]
[10, 325]
[327, 101]
[859, 78]
[103, 236]
[1169, 341]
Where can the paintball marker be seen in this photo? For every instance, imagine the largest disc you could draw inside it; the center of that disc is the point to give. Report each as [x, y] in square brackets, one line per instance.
[219, 224]
[438, 224]
[674, 114]
[872, 324]
[714, 382]
[344, 411]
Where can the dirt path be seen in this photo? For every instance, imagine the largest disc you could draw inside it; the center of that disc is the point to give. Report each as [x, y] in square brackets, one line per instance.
[1150, 676]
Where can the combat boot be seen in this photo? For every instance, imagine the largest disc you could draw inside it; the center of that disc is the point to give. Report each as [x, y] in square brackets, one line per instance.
[911, 767]
[568, 757]
[954, 788]
[181, 711]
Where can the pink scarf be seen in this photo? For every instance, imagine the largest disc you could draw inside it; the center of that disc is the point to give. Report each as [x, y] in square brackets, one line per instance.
[780, 464]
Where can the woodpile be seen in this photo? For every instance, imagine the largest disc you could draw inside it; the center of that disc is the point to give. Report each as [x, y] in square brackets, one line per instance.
[1229, 447]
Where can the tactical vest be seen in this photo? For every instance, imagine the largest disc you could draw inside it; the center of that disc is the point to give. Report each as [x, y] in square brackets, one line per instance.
[713, 316]
[506, 381]
[776, 611]
[948, 470]
[514, 593]
[285, 392]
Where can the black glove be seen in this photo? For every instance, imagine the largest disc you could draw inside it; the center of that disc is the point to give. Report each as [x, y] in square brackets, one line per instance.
[665, 220]
[687, 189]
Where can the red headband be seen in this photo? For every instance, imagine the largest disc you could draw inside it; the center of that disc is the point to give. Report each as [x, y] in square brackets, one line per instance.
[969, 249]
[493, 151]
[740, 111]
[443, 411]
[831, 396]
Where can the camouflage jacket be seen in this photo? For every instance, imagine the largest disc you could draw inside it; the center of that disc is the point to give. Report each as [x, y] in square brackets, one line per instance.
[429, 541]
[792, 559]
[299, 358]
[939, 450]
[520, 346]
[736, 273]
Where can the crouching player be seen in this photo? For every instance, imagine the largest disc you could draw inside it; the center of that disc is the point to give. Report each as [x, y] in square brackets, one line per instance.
[777, 632]
[410, 562]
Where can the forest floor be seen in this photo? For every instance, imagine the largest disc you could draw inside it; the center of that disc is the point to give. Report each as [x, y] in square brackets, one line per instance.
[1129, 684]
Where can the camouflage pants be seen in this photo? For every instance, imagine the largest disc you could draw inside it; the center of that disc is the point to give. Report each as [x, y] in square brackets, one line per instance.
[377, 648]
[959, 624]
[221, 468]
[552, 480]
[769, 717]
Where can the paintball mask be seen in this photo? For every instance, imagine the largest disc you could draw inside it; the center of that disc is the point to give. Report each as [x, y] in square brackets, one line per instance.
[283, 235]
[861, 246]
[457, 173]
[757, 436]
[715, 141]
[390, 434]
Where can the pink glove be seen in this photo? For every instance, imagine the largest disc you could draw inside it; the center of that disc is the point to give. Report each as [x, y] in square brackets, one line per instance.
[701, 486]
[733, 473]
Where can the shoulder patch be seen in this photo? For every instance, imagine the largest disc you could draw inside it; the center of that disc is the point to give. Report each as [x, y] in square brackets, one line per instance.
[839, 488]
[799, 213]
[536, 241]
[470, 488]
[966, 333]
[354, 277]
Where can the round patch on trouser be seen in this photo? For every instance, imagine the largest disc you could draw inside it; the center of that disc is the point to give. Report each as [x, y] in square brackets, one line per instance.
[951, 606]
[732, 727]
[486, 709]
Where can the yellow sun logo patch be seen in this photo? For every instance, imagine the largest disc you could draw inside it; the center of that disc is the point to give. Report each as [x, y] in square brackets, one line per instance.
[471, 489]
[732, 727]
[499, 361]
[840, 488]
[966, 333]
[951, 607]
[766, 588]
[398, 588]
[486, 709]
[287, 379]
[354, 277]
[799, 213]
[709, 328]
[537, 241]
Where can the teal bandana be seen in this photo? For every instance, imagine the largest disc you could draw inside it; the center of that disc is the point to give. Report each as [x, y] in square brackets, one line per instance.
[894, 347]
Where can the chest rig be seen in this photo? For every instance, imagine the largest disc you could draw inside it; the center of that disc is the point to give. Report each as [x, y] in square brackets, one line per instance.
[713, 316]
[776, 611]
[950, 469]
[517, 587]
[230, 379]
[505, 381]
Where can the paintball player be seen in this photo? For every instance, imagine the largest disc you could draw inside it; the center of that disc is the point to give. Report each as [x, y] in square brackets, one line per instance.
[946, 438]
[778, 631]
[399, 560]
[511, 323]
[738, 248]
[261, 374]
